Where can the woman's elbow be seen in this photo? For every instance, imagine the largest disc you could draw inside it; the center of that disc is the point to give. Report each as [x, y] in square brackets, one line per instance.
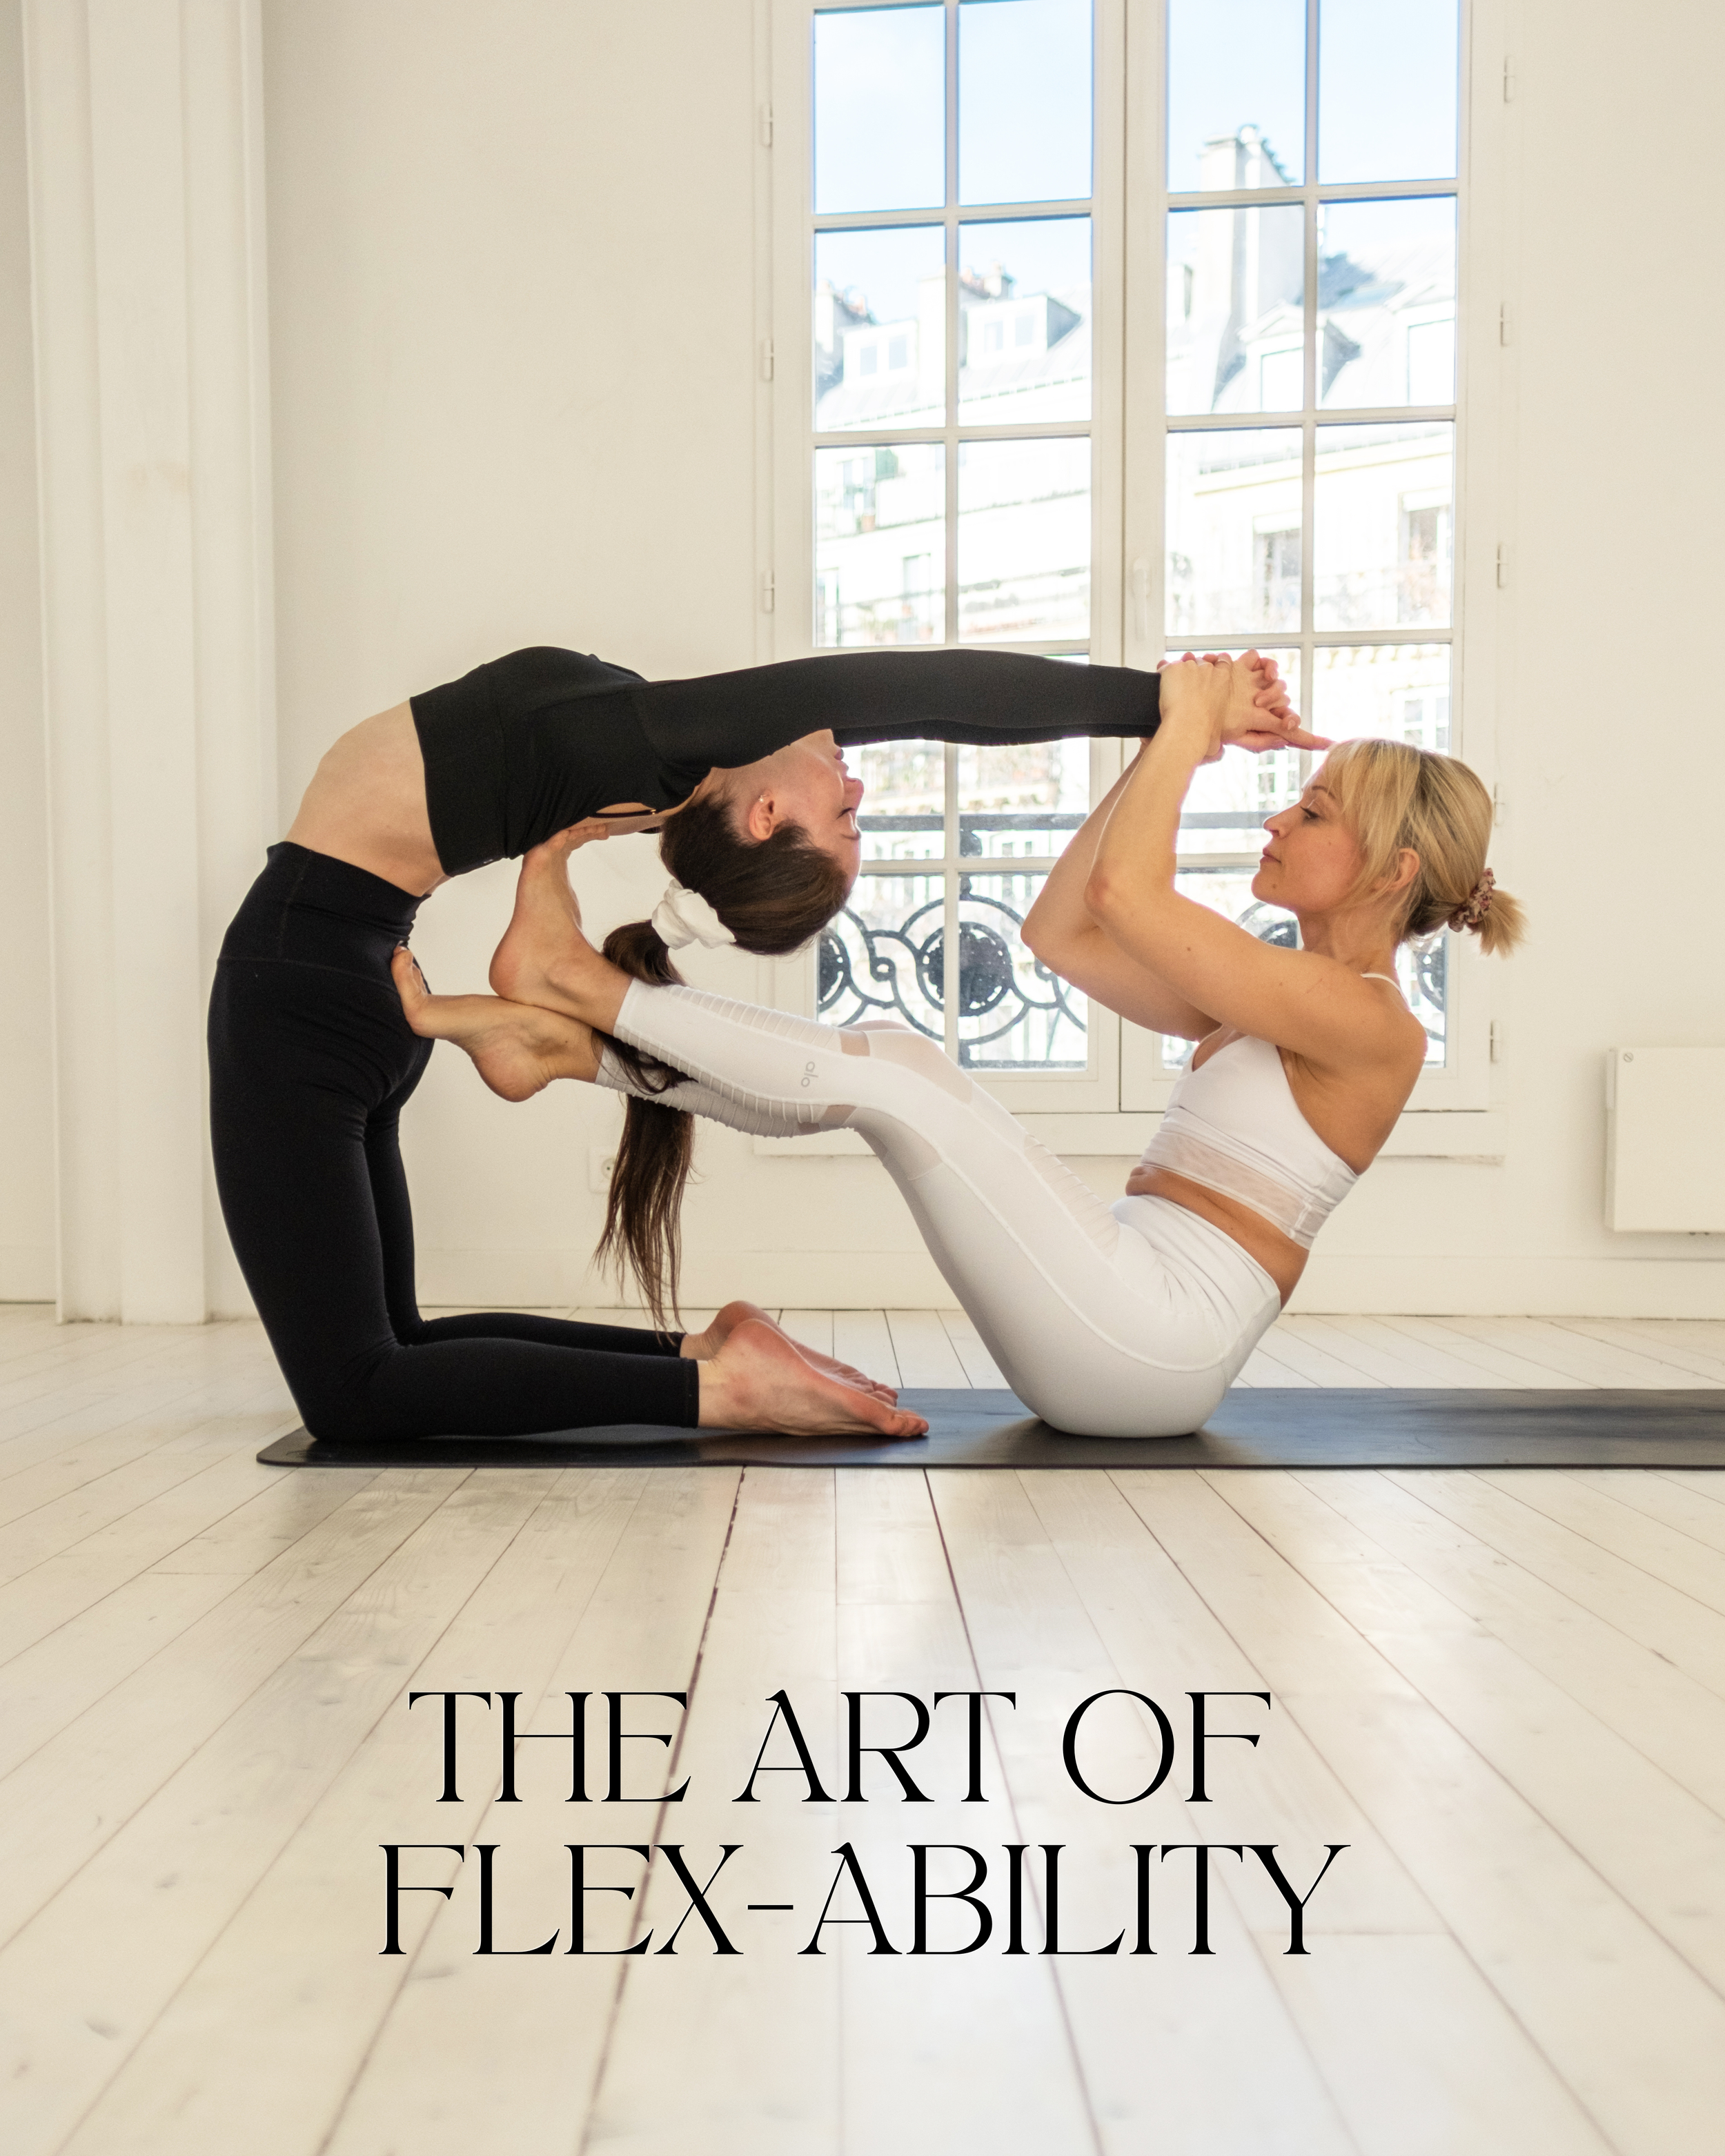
[1103, 898]
[1038, 935]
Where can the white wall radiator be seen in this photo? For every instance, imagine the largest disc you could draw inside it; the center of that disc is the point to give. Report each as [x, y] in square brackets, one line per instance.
[1665, 1142]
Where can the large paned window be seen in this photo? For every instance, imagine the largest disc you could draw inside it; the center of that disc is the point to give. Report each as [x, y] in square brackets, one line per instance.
[1119, 327]
[952, 353]
[1310, 350]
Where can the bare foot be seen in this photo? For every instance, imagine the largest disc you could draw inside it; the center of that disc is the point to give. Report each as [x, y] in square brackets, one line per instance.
[517, 1051]
[843, 1373]
[544, 958]
[758, 1381]
[704, 1345]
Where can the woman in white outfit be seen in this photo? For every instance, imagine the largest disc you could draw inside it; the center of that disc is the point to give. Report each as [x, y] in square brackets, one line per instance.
[1122, 1321]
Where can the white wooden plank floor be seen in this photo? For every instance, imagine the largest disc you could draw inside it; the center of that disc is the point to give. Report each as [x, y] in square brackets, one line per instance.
[1503, 1692]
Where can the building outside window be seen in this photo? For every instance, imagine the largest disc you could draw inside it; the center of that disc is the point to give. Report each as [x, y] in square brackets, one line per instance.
[1311, 209]
[975, 170]
[951, 375]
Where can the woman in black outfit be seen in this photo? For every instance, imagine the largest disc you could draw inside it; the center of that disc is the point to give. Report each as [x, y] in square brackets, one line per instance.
[312, 1061]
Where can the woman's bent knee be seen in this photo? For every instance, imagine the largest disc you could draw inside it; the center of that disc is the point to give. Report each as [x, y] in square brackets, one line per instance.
[351, 1406]
[927, 1059]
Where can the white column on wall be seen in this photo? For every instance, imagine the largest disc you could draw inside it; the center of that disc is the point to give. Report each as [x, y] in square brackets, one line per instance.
[145, 158]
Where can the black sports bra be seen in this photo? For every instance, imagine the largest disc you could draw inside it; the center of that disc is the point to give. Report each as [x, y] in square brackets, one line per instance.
[533, 742]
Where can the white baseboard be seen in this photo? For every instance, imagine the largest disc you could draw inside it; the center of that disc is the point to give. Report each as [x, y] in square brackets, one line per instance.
[1512, 1287]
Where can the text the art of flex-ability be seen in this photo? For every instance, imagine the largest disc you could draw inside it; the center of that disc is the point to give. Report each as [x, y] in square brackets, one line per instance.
[914, 1897]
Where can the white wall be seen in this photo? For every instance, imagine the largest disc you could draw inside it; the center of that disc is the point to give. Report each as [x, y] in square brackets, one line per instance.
[27, 1256]
[1602, 459]
[511, 253]
[511, 259]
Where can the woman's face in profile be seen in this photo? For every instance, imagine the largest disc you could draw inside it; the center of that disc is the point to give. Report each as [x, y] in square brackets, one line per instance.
[1312, 861]
[806, 783]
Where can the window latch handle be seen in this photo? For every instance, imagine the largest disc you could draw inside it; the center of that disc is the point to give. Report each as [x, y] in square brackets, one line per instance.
[1141, 599]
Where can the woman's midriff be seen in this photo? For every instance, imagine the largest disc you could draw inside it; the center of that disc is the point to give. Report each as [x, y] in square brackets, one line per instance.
[365, 804]
[1283, 1260]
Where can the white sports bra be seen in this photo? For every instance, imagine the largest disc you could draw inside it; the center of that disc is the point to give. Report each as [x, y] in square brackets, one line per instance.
[1233, 1126]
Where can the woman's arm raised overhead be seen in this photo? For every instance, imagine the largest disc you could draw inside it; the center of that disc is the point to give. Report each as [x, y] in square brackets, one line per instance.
[1313, 1004]
[1064, 934]
[980, 697]
[1062, 931]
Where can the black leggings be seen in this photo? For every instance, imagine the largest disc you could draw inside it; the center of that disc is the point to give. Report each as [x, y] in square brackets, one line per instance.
[311, 1064]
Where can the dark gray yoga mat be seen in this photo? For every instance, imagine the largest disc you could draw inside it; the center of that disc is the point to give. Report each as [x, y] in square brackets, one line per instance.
[1268, 1426]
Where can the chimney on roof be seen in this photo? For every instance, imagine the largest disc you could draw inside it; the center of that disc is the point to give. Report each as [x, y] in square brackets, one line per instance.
[990, 284]
[1244, 159]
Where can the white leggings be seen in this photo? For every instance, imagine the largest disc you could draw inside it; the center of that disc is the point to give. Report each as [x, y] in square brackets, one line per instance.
[1128, 1320]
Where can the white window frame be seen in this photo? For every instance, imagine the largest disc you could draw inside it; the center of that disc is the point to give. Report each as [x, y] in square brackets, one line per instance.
[1114, 1107]
[1463, 1081]
[1096, 1090]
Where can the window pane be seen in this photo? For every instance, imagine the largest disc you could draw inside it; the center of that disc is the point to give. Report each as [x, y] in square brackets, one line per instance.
[1236, 93]
[881, 957]
[880, 328]
[1025, 800]
[1423, 973]
[1382, 551]
[1234, 545]
[1386, 296]
[903, 813]
[1387, 90]
[1013, 1013]
[1227, 802]
[1024, 540]
[880, 545]
[1024, 100]
[1398, 692]
[879, 109]
[1023, 299]
[1236, 322]
[1393, 692]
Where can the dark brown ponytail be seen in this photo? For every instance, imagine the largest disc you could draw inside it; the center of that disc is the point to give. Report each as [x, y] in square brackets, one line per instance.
[643, 1207]
[773, 894]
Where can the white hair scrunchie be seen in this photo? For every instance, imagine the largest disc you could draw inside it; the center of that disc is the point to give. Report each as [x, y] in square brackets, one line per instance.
[683, 916]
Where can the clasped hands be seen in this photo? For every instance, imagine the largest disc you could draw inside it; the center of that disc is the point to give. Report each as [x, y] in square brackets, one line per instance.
[1245, 699]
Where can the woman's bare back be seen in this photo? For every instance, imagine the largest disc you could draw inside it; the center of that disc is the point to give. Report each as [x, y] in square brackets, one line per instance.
[365, 804]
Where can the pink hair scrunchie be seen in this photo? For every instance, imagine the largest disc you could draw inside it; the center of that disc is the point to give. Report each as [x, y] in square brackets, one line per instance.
[1475, 906]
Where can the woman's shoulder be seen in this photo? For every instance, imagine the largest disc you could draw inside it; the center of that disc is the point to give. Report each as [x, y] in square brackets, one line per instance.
[1403, 1033]
[548, 667]
[1376, 1010]
[527, 680]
